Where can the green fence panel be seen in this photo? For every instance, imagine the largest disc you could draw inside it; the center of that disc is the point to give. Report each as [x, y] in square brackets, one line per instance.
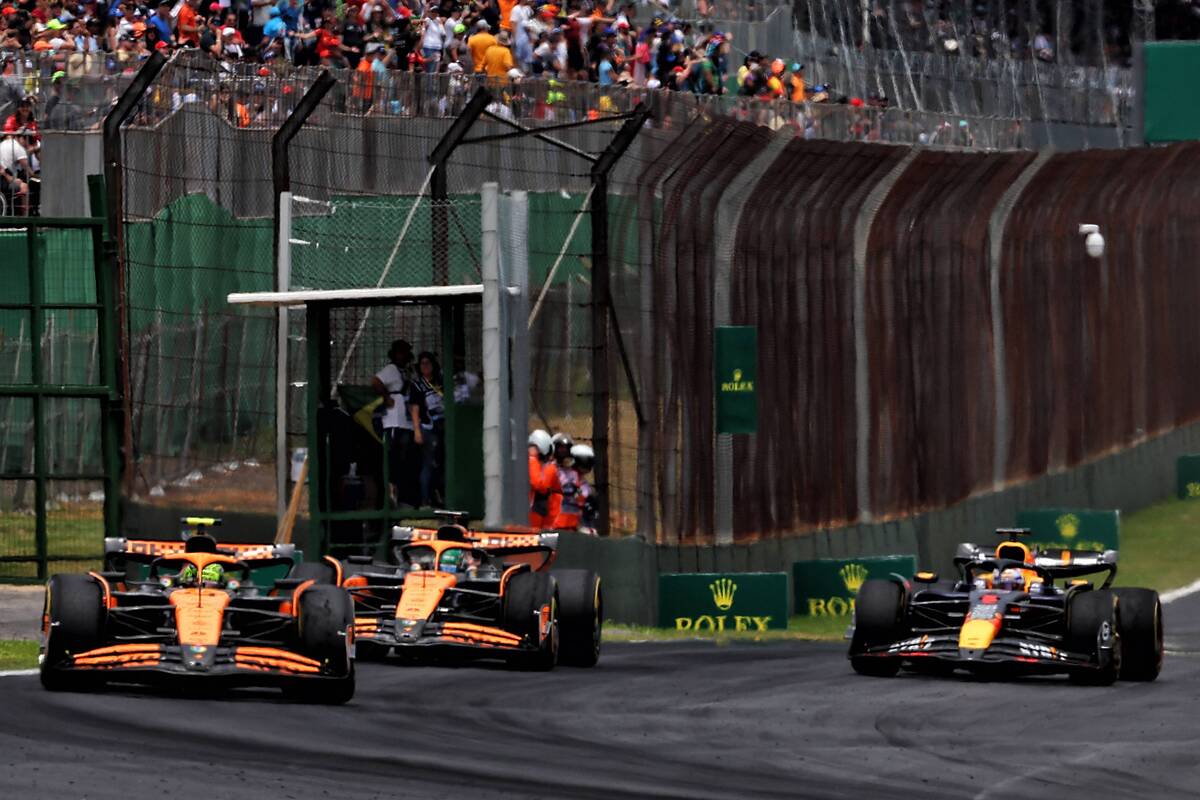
[723, 601]
[1073, 529]
[1187, 477]
[827, 587]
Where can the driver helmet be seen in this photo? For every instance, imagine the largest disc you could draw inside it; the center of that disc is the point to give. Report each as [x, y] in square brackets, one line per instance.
[541, 440]
[187, 574]
[212, 572]
[1009, 579]
[451, 560]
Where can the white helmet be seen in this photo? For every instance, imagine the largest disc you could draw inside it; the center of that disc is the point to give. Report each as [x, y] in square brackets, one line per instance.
[541, 440]
[584, 456]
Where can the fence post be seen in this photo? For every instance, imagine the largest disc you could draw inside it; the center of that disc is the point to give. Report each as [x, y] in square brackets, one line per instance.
[281, 180]
[601, 303]
[114, 173]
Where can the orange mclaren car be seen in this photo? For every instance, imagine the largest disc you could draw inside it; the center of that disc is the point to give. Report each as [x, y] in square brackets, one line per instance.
[198, 611]
[480, 594]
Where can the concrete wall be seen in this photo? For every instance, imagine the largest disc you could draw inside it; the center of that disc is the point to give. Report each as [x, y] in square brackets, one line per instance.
[67, 160]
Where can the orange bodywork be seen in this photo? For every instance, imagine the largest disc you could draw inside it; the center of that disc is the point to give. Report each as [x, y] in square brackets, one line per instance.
[199, 614]
[274, 658]
[120, 655]
[422, 593]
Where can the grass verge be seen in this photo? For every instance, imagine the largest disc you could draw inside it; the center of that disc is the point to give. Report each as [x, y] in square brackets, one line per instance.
[1160, 546]
[18, 655]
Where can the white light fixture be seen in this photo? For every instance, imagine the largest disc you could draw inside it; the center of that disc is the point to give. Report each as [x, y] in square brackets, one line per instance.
[1094, 241]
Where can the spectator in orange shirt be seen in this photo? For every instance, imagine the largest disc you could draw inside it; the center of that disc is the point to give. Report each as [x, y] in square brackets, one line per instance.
[187, 25]
[506, 7]
[498, 59]
[479, 43]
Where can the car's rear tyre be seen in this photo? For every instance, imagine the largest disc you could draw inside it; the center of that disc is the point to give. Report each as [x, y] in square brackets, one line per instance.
[878, 620]
[75, 608]
[525, 596]
[326, 614]
[320, 572]
[1092, 618]
[581, 617]
[1140, 617]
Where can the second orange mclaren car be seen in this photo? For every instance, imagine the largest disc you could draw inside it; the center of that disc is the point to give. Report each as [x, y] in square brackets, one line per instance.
[475, 593]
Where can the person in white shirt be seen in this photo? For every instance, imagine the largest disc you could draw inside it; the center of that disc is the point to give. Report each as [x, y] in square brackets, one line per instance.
[401, 418]
[433, 40]
[14, 165]
[521, 14]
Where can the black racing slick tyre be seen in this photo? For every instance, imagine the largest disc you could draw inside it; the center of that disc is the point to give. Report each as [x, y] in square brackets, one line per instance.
[74, 610]
[321, 572]
[1140, 619]
[526, 595]
[326, 614]
[1092, 621]
[580, 616]
[878, 620]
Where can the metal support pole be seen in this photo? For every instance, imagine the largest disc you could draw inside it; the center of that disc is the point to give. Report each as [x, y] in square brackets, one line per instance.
[283, 280]
[438, 185]
[281, 179]
[114, 185]
[494, 366]
[600, 390]
[601, 300]
[105, 252]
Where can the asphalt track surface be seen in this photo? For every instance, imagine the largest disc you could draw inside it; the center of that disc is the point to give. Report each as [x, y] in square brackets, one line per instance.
[686, 720]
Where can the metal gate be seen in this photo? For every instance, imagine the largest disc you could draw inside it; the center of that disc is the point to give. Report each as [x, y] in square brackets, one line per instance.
[58, 449]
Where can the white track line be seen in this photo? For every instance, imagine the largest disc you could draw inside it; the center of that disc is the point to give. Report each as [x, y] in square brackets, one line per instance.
[12, 673]
[1183, 591]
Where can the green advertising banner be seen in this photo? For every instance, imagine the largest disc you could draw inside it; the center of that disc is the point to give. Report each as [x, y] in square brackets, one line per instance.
[827, 587]
[1171, 94]
[1073, 529]
[736, 364]
[723, 601]
[1187, 477]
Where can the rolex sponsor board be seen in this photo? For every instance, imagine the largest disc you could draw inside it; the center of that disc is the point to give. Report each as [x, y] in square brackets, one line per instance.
[1073, 528]
[709, 602]
[827, 587]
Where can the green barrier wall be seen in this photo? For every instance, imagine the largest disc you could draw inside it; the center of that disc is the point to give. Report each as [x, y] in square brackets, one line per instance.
[1187, 477]
[1073, 528]
[827, 587]
[1170, 91]
[720, 601]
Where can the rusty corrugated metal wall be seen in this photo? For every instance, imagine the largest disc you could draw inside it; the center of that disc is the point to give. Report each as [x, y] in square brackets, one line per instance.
[988, 359]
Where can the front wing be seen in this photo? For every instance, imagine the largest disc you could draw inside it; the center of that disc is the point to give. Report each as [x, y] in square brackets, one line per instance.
[244, 664]
[1014, 650]
[403, 634]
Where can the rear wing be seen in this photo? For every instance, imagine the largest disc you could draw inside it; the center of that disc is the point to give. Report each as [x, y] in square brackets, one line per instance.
[267, 562]
[1077, 563]
[149, 549]
[1055, 564]
[509, 543]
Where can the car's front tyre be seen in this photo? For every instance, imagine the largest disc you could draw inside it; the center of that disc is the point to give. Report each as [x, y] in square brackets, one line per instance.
[878, 620]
